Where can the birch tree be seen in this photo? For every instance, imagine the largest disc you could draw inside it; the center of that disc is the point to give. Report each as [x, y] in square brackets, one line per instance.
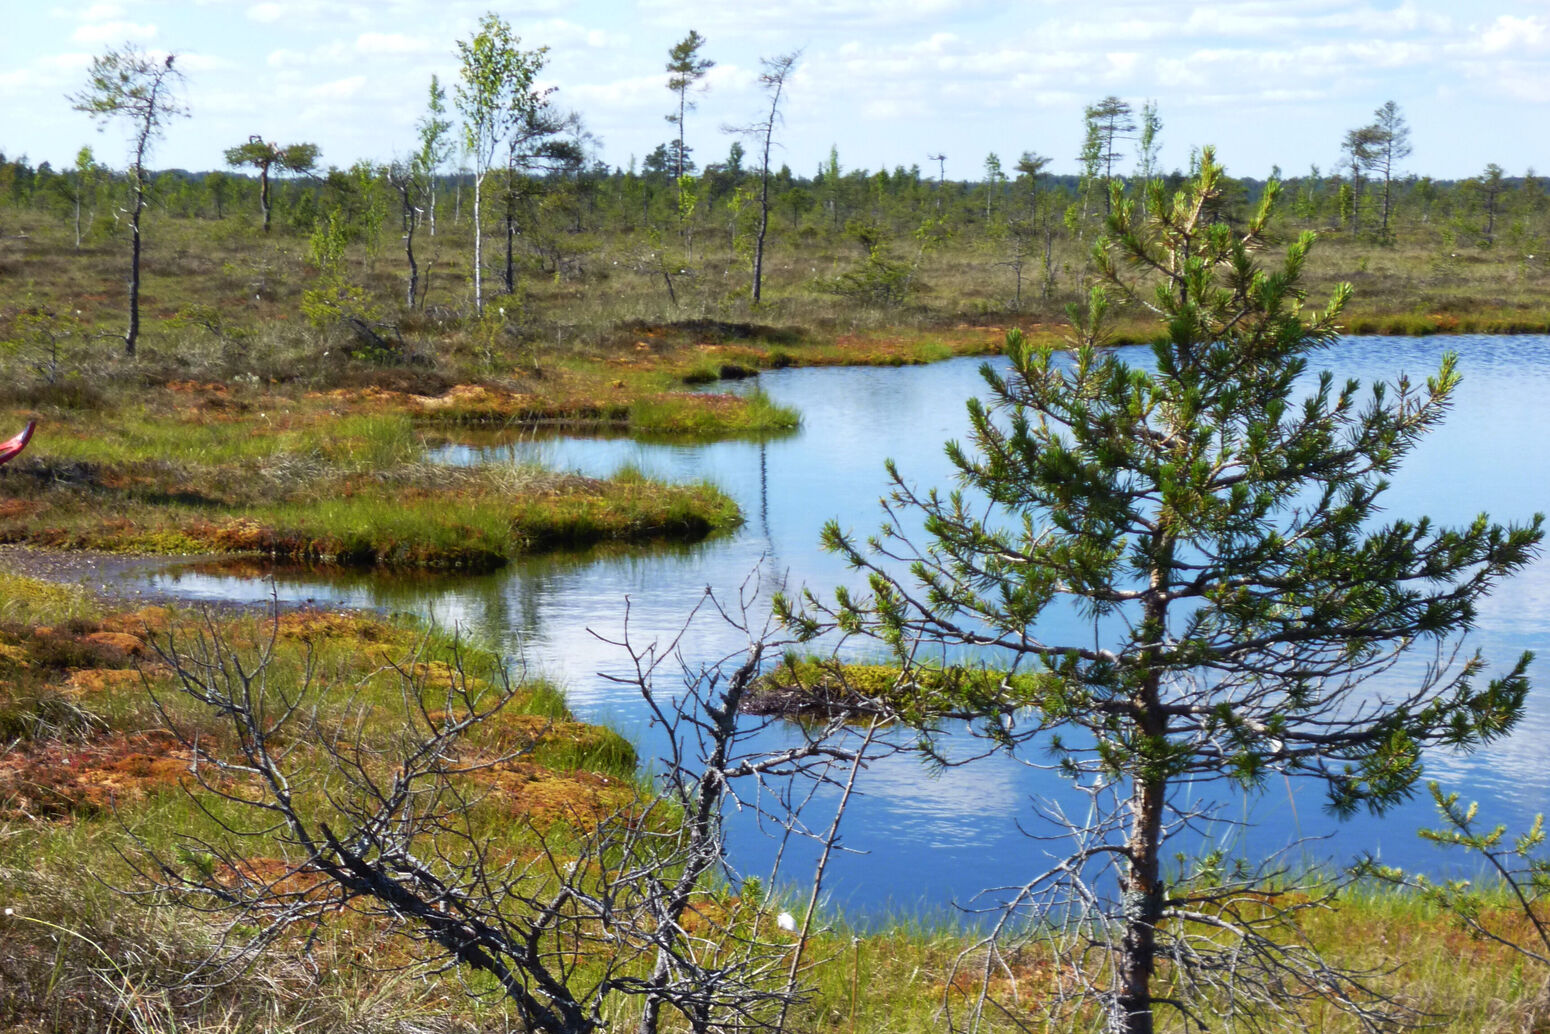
[436, 144]
[495, 95]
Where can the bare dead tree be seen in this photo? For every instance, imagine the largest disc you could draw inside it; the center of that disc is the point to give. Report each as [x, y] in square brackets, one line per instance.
[777, 74]
[1230, 940]
[396, 831]
[411, 180]
[713, 760]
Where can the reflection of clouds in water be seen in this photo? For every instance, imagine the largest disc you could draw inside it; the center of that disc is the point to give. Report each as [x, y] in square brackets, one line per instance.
[941, 809]
[937, 836]
[1521, 606]
[1514, 772]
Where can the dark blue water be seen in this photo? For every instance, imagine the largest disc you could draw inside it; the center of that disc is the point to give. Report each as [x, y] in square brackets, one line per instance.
[932, 838]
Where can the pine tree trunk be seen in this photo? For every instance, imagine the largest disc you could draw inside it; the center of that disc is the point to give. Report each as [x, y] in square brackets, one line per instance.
[758, 248]
[1142, 883]
[133, 334]
[1143, 909]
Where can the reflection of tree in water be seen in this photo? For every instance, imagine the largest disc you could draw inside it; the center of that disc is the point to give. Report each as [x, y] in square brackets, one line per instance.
[540, 607]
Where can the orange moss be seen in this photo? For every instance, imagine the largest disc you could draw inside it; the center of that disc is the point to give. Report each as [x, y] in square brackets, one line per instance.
[312, 625]
[276, 875]
[138, 622]
[1022, 979]
[546, 797]
[90, 681]
[124, 642]
[55, 780]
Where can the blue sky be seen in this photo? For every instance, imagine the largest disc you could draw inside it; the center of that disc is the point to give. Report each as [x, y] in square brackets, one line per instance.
[1269, 82]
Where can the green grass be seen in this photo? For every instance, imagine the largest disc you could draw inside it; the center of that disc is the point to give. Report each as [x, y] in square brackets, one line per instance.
[299, 480]
[74, 946]
[33, 602]
[718, 416]
[76, 805]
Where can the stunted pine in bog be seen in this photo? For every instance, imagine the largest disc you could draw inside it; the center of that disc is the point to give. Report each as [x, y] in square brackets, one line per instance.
[1213, 516]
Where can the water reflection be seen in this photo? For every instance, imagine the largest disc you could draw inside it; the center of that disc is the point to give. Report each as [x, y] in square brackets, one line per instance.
[934, 838]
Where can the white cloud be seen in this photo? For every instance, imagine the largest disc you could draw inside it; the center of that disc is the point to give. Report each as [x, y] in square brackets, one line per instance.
[1510, 33]
[267, 12]
[339, 89]
[634, 92]
[112, 32]
[558, 33]
[725, 77]
[18, 80]
[394, 43]
[1121, 64]
[102, 12]
[195, 62]
[1515, 80]
[888, 79]
[809, 15]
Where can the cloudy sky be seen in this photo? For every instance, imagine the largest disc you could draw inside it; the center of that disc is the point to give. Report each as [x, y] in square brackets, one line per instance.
[889, 82]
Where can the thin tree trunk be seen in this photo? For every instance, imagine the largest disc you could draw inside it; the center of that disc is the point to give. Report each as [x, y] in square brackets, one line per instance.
[478, 249]
[1049, 259]
[510, 277]
[133, 334]
[1143, 910]
[683, 98]
[410, 217]
[1142, 884]
[758, 246]
[263, 193]
[764, 195]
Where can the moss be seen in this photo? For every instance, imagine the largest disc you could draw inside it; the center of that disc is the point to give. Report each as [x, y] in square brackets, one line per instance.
[819, 686]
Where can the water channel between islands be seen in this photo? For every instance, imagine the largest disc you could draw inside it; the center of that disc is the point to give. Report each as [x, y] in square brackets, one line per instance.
[935, 838]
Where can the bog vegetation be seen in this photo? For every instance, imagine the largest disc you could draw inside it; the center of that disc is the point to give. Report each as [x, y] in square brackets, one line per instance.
[339, 805]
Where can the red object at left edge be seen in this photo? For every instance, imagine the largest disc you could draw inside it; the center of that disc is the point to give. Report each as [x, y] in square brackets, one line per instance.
[12, 446]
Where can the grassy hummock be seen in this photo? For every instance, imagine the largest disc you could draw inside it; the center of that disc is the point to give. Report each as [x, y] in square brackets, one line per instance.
[821, 687]
[297, 480]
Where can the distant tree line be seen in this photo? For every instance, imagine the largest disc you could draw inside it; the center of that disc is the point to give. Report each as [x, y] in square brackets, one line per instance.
[497, 154]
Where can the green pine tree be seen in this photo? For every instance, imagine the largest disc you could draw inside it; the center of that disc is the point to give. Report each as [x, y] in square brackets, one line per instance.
[1218, 520]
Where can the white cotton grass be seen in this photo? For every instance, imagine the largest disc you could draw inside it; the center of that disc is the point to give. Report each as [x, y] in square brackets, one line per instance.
[786, 921]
